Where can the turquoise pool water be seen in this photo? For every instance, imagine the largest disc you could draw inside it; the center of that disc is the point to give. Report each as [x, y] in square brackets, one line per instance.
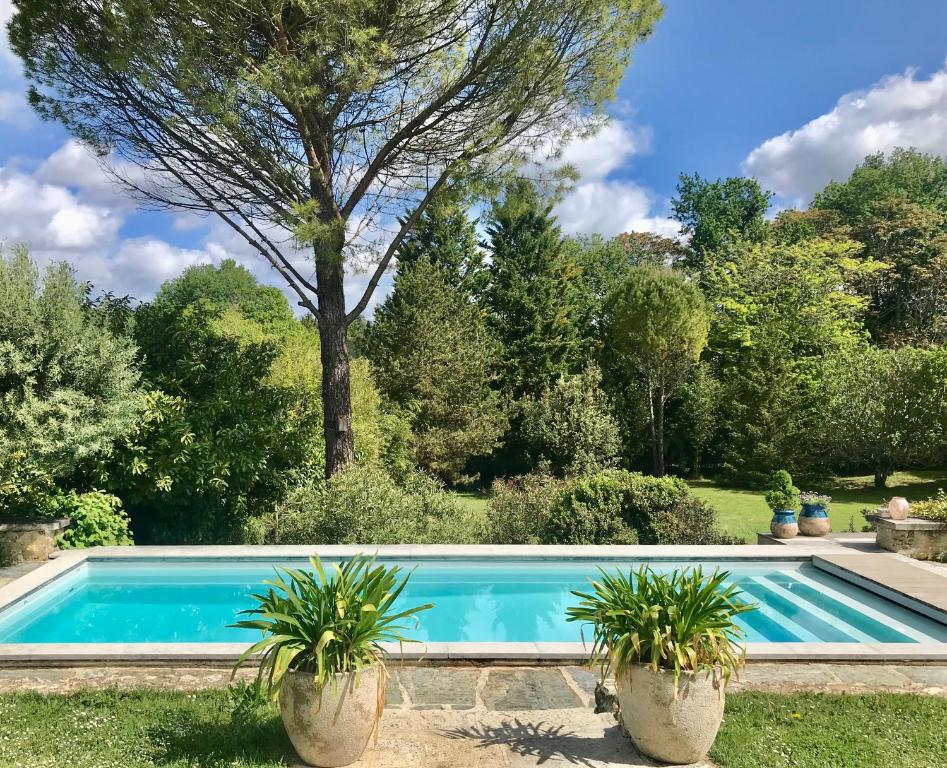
[476, 601]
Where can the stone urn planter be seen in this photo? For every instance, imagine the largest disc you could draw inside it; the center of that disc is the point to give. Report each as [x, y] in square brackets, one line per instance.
[676, 727]
[330, 725]
[784, 525]
[898, 508]
[814, 520]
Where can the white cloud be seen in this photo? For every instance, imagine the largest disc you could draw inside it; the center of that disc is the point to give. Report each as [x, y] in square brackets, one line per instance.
[596, 156]
[603, 205]
[899, 111]
[51, 218]
[610, 208]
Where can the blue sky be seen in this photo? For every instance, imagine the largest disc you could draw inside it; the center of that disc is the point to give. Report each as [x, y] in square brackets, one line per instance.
[793, 92]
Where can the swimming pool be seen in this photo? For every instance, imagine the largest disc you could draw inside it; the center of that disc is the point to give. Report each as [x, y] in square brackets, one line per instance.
[154, 601]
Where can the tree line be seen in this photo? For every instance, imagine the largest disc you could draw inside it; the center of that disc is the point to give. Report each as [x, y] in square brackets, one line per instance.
[811, 340]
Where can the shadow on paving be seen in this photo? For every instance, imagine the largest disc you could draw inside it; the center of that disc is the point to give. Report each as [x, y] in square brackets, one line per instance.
[552, 742]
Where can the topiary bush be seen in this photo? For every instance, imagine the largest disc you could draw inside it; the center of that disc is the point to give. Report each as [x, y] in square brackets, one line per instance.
[364, 505]
[782, 494]
[98, 520]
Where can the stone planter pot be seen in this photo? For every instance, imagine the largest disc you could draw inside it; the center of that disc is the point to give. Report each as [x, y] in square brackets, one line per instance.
[330, 727]
[675, 729]
[784, 525]
[30, 540]
[814, 520]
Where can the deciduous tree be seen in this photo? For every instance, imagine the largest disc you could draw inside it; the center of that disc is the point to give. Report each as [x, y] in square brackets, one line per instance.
[658, 325]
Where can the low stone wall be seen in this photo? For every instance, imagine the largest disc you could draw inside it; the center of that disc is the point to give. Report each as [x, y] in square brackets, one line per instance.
[29, 540]
[914, 537]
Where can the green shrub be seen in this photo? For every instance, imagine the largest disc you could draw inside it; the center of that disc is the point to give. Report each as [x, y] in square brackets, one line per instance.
[98, 520]
[519, 508]
[610, 507]
[364, 505]
[590, 511]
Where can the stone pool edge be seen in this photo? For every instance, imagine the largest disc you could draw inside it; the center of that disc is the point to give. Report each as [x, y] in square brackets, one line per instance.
[25, 654]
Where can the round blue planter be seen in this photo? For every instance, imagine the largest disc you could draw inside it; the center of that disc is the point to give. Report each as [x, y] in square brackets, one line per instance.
[784, 517]
[814, 510]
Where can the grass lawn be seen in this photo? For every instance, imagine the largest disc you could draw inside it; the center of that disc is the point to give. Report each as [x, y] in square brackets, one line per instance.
[743, 512]
[475, 502]
[134, 729]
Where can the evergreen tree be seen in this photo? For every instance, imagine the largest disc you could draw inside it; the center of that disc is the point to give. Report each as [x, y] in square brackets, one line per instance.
[657, 328]
[433, 356]
[532, 295]
[446, 237]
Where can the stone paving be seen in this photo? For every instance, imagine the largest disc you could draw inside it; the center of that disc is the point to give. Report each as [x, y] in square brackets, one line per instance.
[494, 688]
[10, 572]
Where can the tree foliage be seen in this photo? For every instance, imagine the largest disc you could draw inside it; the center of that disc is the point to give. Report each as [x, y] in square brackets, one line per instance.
[715, 214]
[531, 294]
[315, 120]
[886, 409]
[68, 385]
[657, 329]
[571, 425]
[778, 309]
[434, 359]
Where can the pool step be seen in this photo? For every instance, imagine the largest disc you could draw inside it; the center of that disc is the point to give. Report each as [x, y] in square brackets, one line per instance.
[922, 589]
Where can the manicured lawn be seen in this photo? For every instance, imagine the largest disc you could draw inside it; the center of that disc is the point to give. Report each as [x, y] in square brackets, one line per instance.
[744, 512]
[196, 730]
[832, 731]
[474, 501]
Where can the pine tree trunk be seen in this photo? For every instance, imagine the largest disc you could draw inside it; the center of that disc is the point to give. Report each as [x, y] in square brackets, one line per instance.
[659, 433]
[336, 394]
[652, 430]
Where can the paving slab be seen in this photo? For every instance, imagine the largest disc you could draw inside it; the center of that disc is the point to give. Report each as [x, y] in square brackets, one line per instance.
[518, 689]
[439, 687]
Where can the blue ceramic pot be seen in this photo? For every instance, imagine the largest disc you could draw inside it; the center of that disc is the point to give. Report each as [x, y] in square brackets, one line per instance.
[814, 510]
[783, 524]
[814, 520]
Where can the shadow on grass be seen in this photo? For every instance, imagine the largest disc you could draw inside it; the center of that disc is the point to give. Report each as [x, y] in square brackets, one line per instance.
[190, 739]
[553, 742]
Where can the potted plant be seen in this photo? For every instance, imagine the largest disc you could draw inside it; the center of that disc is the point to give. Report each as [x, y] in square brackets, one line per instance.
[321, 653]
[783, 498]
[672, 644]
[814, 519]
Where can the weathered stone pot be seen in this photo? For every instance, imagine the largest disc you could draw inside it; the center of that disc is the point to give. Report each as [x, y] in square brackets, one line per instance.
[814, 520]
[675, 729]
[330, 727]
[30, 540]
[784, 525]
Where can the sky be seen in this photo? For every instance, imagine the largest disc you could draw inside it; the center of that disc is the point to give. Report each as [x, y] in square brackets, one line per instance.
[793, 92]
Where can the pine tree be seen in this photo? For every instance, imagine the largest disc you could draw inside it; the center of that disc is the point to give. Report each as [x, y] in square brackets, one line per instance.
[433, 356]
[531, 295]
[446, 237]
